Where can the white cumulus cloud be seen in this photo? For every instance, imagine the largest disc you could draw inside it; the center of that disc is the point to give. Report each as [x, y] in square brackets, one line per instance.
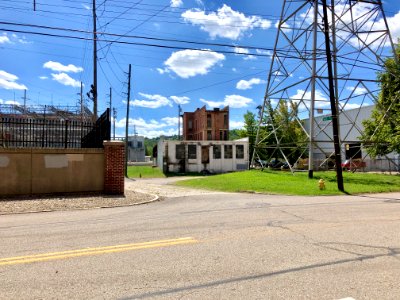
[264, 52]
[58, 67]
[152, 101]
[9, 102]
[176, 3]
[248, 84]
[394, 26]
[180, 100]
[8, 81]
[321, 99]
[13, 39]
[236, 124]
[12, 102]
[170, 121]
[239, 50]
[225, 22]
[162, 71]
[65, 79]
[189, 63]
[245, 53]
[152, 128]
[366, 19]
[4, 39]
[233, 101]
[357, 91]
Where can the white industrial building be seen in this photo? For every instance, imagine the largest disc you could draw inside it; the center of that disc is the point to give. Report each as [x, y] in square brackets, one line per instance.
[203, 156]
[350, 129]
[136, 149]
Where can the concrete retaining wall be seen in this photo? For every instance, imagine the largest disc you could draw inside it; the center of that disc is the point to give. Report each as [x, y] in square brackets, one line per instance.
[43, 171]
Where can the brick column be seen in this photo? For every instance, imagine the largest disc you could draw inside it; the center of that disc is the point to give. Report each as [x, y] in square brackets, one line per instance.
[114, 162]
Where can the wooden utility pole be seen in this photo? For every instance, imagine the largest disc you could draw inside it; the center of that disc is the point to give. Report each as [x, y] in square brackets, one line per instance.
[115, 117]
[127, 121]
[81, 101]
[24, 101]
[110, 95]
[332, 98]
[179, 122]
[94, 61]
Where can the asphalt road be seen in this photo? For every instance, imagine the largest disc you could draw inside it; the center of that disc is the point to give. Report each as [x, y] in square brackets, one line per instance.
[211, 246]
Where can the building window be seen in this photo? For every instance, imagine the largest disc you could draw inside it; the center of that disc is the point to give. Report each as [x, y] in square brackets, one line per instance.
[239, 151]
[139, 144]
[228, 151]
[217, 151]
[209, 135]
[192, 151]
[221, 135]
[180, 152]
[225, 135]
[209, 123]
[225, 120]
[190, 124]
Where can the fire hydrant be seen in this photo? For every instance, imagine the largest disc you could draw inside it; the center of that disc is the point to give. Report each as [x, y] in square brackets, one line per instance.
[321, 184]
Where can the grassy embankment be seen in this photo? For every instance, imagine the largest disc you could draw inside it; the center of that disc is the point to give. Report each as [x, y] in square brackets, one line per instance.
[144, 172]
[278, 182]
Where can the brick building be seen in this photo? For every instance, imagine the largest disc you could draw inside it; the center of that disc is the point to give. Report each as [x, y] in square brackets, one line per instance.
[206, 125]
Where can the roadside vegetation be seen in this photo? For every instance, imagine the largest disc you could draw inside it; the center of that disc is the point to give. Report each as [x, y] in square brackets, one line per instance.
[278, 182]
[144, 172]
[381, 133]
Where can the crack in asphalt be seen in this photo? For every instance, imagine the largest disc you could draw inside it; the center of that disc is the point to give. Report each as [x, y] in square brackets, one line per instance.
[311, 241]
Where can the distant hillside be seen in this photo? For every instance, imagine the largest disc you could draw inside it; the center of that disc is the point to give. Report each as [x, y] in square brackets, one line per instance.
[150, 143]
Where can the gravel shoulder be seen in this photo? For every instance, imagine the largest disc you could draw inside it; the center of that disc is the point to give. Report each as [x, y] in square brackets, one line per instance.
[137, 192]
[72, 202]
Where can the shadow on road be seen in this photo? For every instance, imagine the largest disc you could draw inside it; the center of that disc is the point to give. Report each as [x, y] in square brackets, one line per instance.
[392, 252]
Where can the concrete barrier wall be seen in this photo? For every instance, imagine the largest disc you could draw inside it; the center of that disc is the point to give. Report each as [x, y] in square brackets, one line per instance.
[43, 171]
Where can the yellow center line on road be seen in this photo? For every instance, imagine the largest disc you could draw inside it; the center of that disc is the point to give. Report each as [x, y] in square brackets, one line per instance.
[94, 251]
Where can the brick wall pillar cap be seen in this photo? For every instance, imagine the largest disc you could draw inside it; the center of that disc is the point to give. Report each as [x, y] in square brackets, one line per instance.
[113, 143]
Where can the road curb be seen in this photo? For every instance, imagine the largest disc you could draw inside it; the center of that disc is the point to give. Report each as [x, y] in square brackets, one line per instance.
[156, 198]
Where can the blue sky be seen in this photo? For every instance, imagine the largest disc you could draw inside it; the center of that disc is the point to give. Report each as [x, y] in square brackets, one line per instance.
[51, 68]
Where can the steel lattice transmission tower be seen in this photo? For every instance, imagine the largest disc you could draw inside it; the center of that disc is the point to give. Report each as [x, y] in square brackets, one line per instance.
[360, 42]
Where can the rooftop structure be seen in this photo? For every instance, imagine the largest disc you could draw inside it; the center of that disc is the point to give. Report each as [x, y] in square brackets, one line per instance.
[206, 125]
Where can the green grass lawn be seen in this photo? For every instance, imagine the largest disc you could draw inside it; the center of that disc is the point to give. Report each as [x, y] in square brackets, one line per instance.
[144, 172]
[278, 182]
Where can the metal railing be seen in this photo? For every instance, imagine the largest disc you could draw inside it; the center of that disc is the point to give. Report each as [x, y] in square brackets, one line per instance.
[22, 132]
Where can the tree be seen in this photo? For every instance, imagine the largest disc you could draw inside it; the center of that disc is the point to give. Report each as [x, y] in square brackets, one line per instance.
[250, 130]
[151, 142]
[290, 136]
[382, 131]
[235, 134]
